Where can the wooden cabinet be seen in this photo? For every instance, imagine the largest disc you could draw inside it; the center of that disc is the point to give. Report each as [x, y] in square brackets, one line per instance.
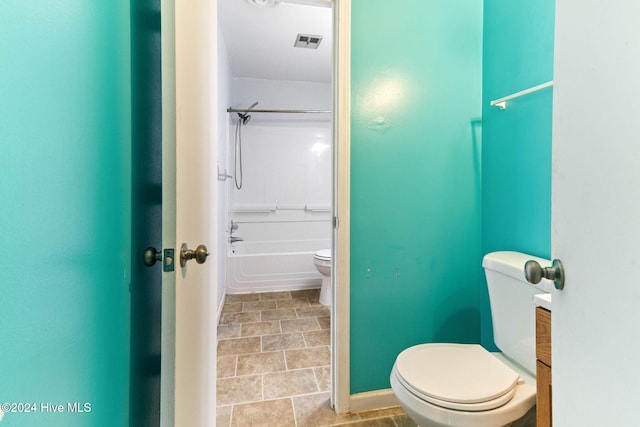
[543, 367]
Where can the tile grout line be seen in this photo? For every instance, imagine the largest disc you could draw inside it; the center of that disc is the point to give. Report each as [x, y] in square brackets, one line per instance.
[235, 367]
[295, 415]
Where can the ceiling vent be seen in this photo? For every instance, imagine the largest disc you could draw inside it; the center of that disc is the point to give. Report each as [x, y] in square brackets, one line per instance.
[308, 41]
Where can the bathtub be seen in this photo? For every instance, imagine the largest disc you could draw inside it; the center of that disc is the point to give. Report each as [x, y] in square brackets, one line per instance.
[266, 266]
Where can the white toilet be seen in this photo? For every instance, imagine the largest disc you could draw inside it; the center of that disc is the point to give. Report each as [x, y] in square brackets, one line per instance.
[464, 385]
[322, 261]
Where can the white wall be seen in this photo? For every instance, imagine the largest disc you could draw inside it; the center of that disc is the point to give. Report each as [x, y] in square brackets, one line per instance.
[224, 100]
[279, 94]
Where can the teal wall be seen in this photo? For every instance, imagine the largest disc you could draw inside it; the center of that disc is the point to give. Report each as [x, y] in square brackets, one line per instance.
[65, 135]
[516, 152]
[415, 180]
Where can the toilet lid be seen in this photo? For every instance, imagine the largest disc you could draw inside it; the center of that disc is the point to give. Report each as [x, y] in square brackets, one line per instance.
[456, 376]
[323, 254]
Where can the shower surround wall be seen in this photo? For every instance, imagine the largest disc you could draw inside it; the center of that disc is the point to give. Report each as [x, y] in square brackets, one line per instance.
[222, 145]
[283, 211]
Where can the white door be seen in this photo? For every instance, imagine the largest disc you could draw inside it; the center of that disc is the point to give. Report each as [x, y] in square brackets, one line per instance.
[189, 301]
[596, 213]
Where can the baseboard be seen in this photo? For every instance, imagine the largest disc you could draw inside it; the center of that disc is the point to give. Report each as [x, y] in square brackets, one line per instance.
[271, 287]
[224, 295]
[377, 399]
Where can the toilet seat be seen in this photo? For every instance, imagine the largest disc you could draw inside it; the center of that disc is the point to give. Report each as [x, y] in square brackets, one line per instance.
[323, 255]
[463, 377]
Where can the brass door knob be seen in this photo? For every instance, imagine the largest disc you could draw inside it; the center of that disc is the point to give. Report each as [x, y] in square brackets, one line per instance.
[200, 254]
[151, 256]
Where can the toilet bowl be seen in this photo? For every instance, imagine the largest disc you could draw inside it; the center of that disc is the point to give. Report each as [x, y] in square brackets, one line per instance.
[464, 385]
[322, 261]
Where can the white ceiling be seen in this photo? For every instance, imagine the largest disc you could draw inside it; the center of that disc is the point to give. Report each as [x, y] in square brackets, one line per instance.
[260, 40]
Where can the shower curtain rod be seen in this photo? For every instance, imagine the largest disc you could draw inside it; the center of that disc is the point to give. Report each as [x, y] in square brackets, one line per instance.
[236, 110]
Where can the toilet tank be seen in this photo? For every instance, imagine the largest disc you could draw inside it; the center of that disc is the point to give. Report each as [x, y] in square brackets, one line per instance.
[512, 308]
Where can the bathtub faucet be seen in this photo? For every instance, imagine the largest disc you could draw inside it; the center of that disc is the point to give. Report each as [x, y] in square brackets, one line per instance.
[232, 238]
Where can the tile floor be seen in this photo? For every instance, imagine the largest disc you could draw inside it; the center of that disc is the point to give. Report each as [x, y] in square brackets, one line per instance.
[274, 365]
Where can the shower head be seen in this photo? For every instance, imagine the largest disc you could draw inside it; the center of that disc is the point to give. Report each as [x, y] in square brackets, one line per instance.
[246, 116]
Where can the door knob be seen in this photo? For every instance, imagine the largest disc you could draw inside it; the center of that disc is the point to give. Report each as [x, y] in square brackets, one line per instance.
[200, 254]
[534, 273]
[151, 256]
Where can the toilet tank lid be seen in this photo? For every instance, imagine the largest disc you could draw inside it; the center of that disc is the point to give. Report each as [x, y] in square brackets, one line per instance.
[511, 263]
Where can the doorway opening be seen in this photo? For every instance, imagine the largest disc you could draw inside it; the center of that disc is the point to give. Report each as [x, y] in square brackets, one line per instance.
[281, 150]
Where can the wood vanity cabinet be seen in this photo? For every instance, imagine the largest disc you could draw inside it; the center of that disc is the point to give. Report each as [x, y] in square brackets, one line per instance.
[543, 367]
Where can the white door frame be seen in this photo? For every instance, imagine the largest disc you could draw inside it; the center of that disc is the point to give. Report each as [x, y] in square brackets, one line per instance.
[168, 316]
[340, 329]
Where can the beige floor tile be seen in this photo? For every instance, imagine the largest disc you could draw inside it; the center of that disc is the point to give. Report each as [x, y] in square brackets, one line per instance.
[404, 421]
[259, 305]
[323, 378]
[321, 311]
[314, 410]
[229, 331]
[299, 325]
[324, 322]
[290, 383]
[239, 390]
[317, 338]
[237, 318]
[275, 295]
[308, 358]
[282, 330]
[292, 303]
[315, 302]
[282, 341]
[242, 298]
[380, 413]
[223, 416]
[272, 413]
[260, 363]
[379, 422]
[226, 366]
[260, 328]
[287, 313]
[306, 293]
[239, 346]
[232, 307]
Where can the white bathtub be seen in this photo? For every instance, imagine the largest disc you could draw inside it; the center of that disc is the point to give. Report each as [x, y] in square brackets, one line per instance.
[267, 266]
